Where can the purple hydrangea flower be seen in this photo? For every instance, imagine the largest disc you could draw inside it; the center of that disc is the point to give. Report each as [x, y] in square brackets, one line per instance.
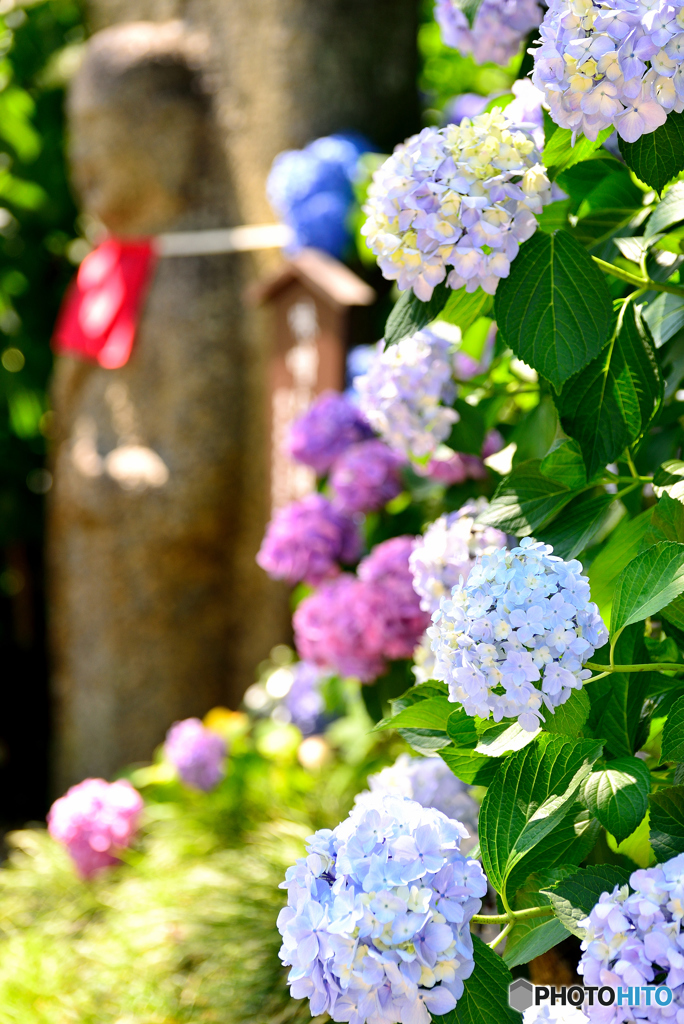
[326, 430]
[95, 820]
[387, 566]
[498, 31]
[376, 927]
[635, 938]
[304, 699]
[307, 540]
[196, 753]
[365, 477]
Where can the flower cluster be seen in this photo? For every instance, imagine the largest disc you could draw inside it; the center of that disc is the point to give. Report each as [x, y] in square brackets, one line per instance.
[617, 63]
[327, 428]
[460, 197]
[307, 540]
[637, 938]
[311, 190]
[95, 820]
[499, 28]
[365, 477]
[196, 753]
[406, 393]
[429, 782]
[523, 616]
[355, 623]
[447, 551]
[377, 923]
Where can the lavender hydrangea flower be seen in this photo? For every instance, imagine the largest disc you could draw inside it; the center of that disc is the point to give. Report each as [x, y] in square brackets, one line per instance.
[196, 753]
[307, 540]
[456, 203]
[95, 820]
[429, 782]
[619, 64]
[406, 393]
[328, 427]
[365, 477]
[498, 31]
[523, 617]
[635, 938]
[376, 928]
[447, 551]
[304, 700]
[404, 622]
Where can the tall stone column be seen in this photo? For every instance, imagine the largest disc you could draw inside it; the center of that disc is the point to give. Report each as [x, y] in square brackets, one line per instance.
[161, 486]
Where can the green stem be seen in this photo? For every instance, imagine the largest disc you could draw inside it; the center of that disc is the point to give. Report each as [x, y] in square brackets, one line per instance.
[607, 669]
[515, 915]
[501, 936]
[644, 283]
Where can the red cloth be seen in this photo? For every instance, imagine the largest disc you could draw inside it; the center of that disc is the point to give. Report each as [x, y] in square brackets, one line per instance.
[100, 312]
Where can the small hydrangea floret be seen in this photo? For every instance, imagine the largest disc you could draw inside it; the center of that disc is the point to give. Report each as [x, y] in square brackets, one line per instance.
[633, 937]
[197, 753]
[514, 637]
[377, 926]
[328, 427]
[95, 820]
[448, 549]
[407, 391]
[307, 540]
[615, 64]
[455, 203]
[497, 32]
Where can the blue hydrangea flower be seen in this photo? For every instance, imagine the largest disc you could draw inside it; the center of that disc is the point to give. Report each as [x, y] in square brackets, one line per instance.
[304, 700]
[377, 923]
[516, 634]
[311, 190]
[499, 28]
[406, 393]
[634, 938]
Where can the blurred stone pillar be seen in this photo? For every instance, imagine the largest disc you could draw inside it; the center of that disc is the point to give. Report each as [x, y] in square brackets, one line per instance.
[157, 608]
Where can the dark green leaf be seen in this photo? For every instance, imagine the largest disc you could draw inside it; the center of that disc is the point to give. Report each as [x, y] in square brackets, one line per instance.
[529, 797]
[667, 822]
[672, 748]
[574, 898]
[669, 479]
[667, 213]
[554, 216]
[617, 700]
[470, 767]
[560, 154]
[410, 314]
[554, 309]
[570, 718]
[565, 465]
[580, 180]
[461, 728]
[530, 938]
[667, 521]
[616, 192]
[569, 843]
[525, 500]
[468, 434]
[425, 741]
[464, 308]
[577, 525]
[664, 316]
[622, 547]
[618, 795]
[658, 156]
[648, 583]
[485, 992]
[611, 404]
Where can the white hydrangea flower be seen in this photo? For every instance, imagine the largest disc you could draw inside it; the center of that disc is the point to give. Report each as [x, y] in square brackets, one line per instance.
[523, 617]
[618, 63]
[499, 28]
[404, 391]
[455, 203]
[447, 551]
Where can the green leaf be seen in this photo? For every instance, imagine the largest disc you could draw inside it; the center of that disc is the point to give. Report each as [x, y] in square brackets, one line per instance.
[580, 180]
[617, 700]
[485, 992]
[467, 435]
[664, 316]
[504, 739]
[616, 193]
[410, 314]
[667, 213]
[569, 843]
[658, 156]
[648, 583]
[534, 936]
[570, 718]
[667, 822]
[426, 714]
[618, 795]
[461, 728]
[464, 308]
[623, 545]
[667, 521]
[560, 154]
[577, 525]
[565, 465]
[469, 766]
[554, 216]
[669, 479]
[672, 747]
[425, 741]
[611, 404]
[554, 309]
[528, 798]
[525, 500]
[574, 898]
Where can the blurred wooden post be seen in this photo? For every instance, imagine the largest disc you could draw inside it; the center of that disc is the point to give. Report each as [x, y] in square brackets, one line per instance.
[309, 301]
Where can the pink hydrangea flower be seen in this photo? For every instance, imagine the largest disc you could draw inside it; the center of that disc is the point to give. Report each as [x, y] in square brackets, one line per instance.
[387, 566]
[196, 753]
[95, 820]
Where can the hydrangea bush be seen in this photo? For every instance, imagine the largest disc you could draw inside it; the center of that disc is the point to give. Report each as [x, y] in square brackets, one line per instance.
[307, 541]
[95, 821]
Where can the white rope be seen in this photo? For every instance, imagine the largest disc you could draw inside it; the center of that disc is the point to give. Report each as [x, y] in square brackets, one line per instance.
[247, 238]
